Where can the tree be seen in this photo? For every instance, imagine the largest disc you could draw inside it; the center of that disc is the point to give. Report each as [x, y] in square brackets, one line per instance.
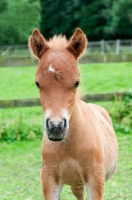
[64, 16]
[3, 5]
[121, 23]
[107, 14]
[59, 17]
[94, 17]
[18, 20]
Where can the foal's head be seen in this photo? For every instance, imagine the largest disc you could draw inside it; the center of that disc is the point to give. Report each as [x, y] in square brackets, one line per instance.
[57, 78]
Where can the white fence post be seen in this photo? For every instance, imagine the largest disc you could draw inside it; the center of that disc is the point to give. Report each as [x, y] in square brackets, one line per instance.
[117, 50]
[102, 44]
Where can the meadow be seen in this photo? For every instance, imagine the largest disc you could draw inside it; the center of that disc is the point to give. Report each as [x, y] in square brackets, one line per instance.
[18, 82]
[20, 161]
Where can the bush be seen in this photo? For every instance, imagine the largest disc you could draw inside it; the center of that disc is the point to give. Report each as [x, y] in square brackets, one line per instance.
[19, 130]
[26, 127]
[122, 114]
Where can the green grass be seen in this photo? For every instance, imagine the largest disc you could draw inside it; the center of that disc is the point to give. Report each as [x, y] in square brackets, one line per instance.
[21, 163]
[18, 82]
[28, 114]
[106, 77]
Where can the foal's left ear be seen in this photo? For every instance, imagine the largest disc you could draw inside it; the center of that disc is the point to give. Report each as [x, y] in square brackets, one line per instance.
[77, 43]
[37, 44]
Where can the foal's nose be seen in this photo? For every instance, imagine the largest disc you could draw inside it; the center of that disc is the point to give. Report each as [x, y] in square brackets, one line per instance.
[56, 128]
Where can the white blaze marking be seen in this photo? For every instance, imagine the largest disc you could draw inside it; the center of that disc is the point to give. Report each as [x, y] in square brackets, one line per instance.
[89, 192]
[57, 118]
[57, 192]
[51, 69]
[47, 113]
[66, 115]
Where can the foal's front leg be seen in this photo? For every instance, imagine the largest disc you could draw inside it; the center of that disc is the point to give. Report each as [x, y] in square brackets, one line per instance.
[51, 189]
[95, 184]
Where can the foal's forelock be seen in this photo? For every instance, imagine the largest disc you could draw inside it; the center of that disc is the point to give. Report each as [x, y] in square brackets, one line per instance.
[58, 42]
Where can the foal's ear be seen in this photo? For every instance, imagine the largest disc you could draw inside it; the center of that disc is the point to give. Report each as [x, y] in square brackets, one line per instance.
[37, 44]
[77, 43]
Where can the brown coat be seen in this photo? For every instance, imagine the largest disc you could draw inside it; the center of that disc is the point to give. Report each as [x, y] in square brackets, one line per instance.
[79, 146]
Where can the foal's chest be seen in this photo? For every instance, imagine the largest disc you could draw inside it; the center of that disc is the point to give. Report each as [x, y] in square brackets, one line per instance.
[70, 172]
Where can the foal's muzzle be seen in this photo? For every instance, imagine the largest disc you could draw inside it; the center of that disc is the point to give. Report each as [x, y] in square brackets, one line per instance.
[56, 132]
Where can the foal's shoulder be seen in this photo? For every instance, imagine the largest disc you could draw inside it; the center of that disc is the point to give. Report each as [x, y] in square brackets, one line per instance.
[100, 110]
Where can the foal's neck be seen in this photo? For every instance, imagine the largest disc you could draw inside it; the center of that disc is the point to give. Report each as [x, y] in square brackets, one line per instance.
[77, 111]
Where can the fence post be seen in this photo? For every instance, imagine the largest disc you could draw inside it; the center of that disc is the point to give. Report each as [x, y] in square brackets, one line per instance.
[117, 50]
[102, 44]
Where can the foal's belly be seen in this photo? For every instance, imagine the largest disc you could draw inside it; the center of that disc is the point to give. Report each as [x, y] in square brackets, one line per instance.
[71, 173]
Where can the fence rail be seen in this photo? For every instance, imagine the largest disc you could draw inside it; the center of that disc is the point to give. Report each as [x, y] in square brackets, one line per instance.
[95, 47]
[88, 98]
[110, 46]
[99, 51]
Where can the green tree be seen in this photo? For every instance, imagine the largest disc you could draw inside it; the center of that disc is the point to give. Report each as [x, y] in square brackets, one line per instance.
[3, 5]
[107, 15]
[121, 23]
[59, 17]
[64, 16]
[94, 17]
[18, 20]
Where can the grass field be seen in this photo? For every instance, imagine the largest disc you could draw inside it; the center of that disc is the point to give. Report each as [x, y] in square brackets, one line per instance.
[21, 163]
[18, 82]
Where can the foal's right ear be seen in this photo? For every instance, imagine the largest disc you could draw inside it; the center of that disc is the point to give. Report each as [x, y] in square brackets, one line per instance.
[37, 44]
[78, 43]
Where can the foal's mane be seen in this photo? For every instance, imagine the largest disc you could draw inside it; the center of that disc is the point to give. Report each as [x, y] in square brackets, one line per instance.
[58, 42]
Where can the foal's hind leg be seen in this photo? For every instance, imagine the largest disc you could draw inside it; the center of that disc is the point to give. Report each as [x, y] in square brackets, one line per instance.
[78, 192]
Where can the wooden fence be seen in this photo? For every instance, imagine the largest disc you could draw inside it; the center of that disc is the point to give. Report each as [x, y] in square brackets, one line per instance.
[88, 98]
[97, 52]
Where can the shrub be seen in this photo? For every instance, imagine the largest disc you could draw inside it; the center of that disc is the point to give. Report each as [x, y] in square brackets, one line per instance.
[122, 114]
[20, 130]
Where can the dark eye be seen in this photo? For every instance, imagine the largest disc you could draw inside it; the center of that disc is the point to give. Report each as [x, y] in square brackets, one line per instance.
[37, 84]
[76, 84]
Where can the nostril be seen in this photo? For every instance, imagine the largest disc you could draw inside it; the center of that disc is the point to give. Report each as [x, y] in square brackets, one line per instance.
[64, 125]
[48, 125]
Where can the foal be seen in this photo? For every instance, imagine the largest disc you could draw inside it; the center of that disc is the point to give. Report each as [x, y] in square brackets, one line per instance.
[79, 147]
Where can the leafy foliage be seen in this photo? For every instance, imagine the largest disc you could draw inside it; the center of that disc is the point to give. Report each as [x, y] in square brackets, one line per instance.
[21, 123]
[64, 16]
[17, 20]
[122, 115]
[121, 23]
[94, 18]
[99, 19]
[20, 130]
[60, 18]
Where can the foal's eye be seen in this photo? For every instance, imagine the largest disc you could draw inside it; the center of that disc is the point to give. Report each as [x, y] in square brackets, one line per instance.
[76, 84]
[37, 84]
